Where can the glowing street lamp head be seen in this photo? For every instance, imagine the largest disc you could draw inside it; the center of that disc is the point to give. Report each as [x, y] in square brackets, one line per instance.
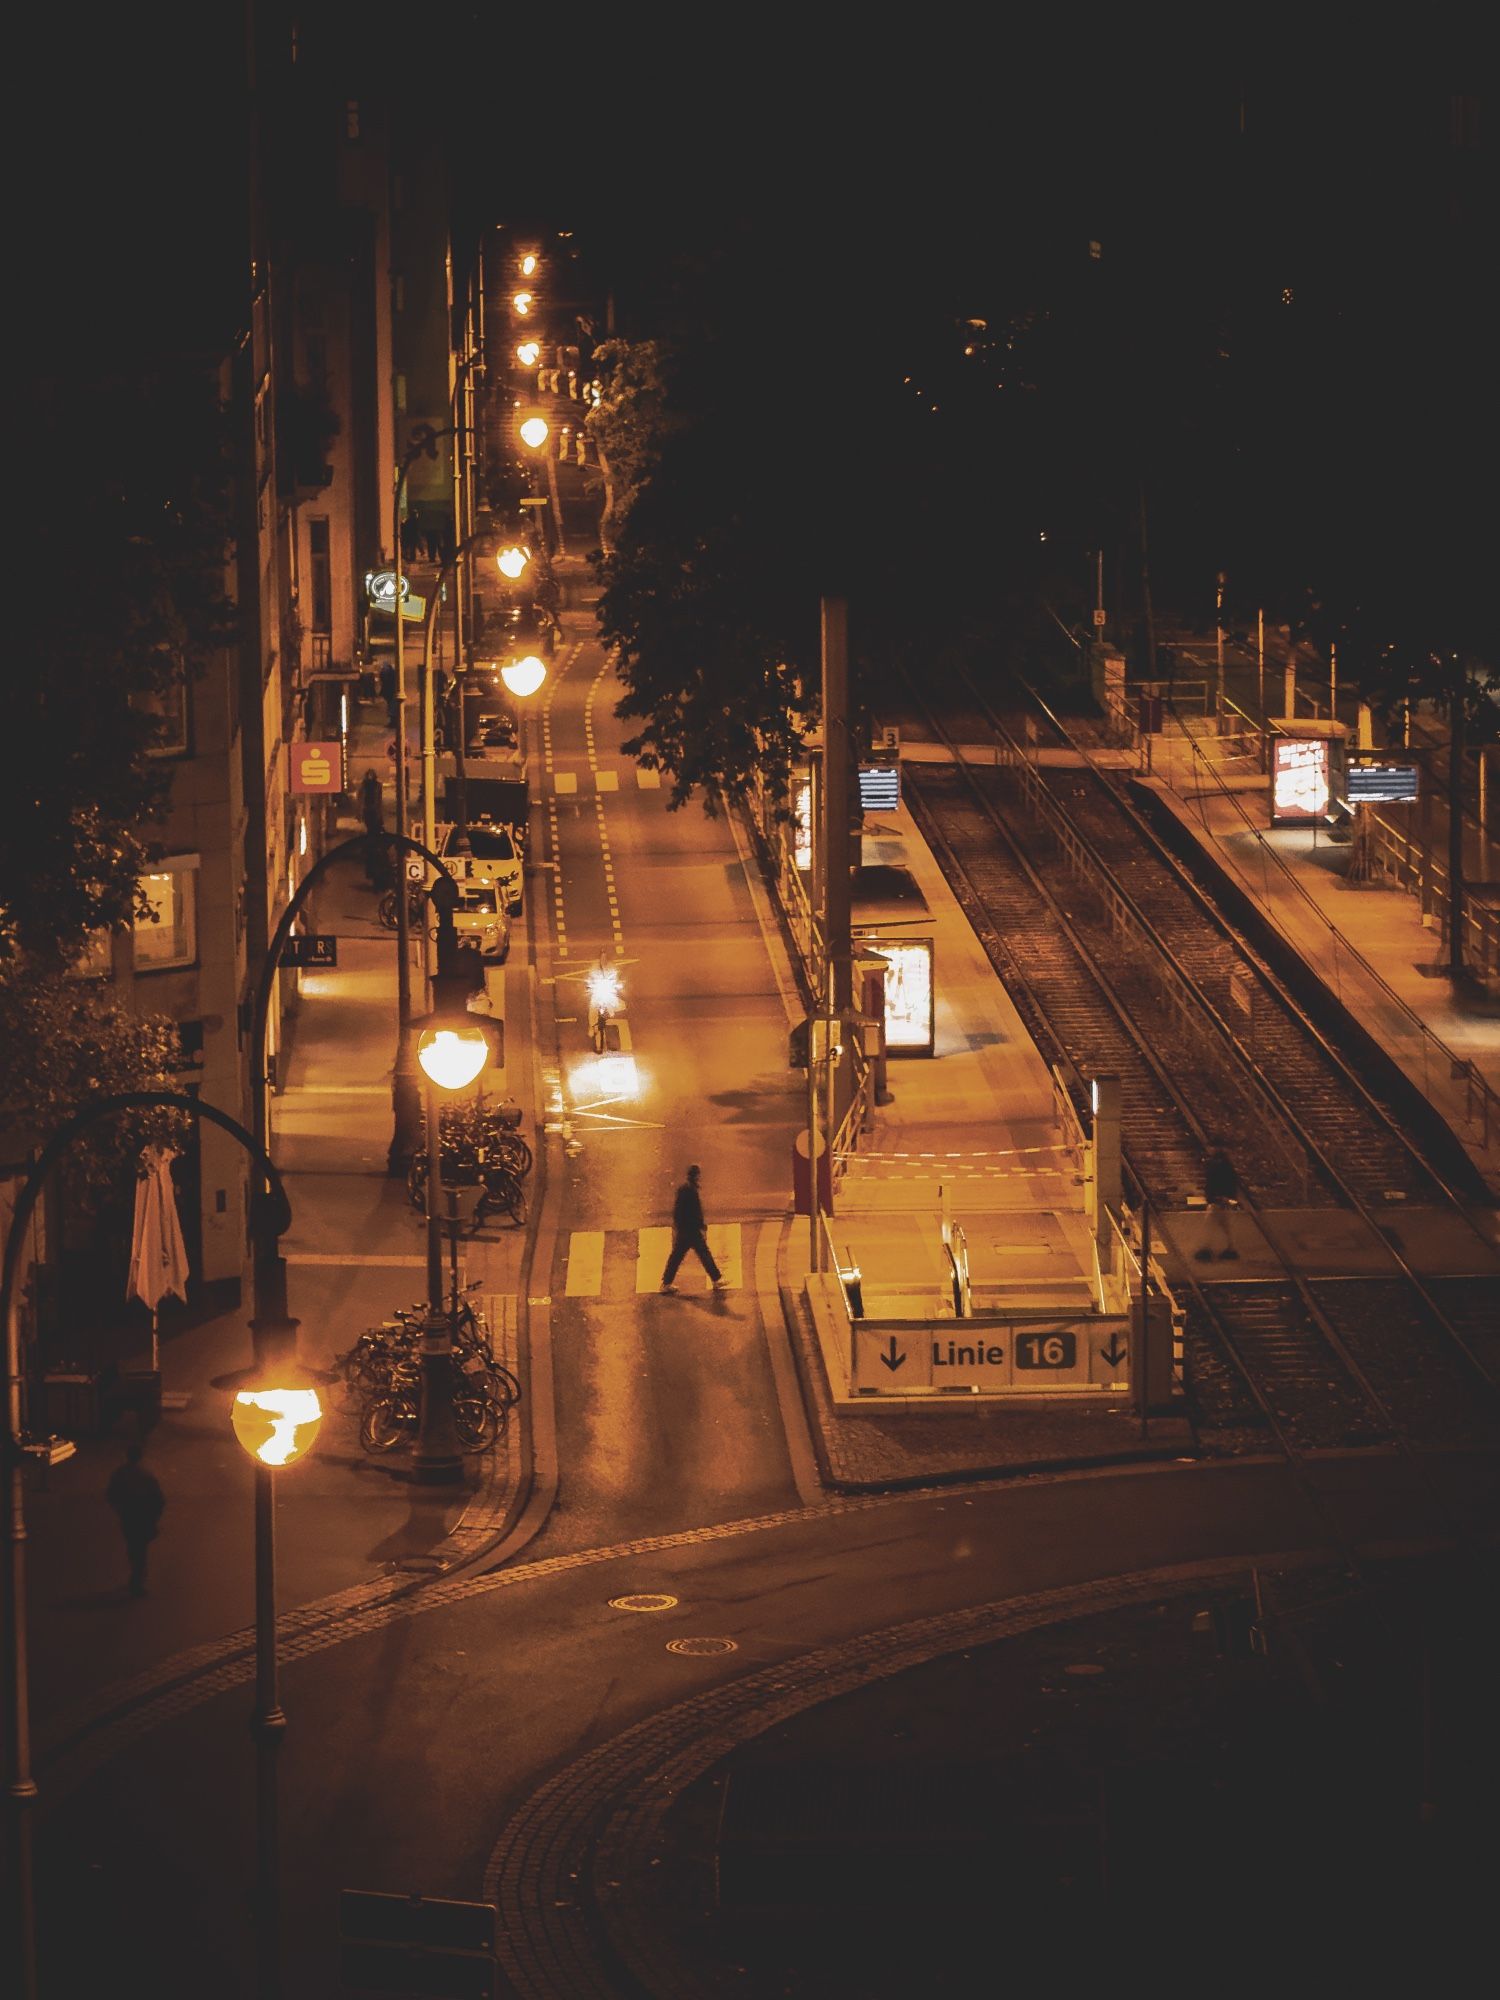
[528, 264]
[528, 353]
[523, 677]
[453, 1057]
[534, 432]
[513, 560]
[522, 303]
[277, 1426]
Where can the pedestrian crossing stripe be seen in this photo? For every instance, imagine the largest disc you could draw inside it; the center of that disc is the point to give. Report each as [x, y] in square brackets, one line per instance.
[586, 1259]
[607, 780]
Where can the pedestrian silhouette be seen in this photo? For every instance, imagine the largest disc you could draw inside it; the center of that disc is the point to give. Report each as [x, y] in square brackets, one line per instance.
[1221, 1188]
[137, 1498]
[689, 1232]
[411, 539]
[372, 813]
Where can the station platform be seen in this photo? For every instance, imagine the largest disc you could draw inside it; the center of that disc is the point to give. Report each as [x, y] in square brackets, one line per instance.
[973, 1134]
[1366, 941]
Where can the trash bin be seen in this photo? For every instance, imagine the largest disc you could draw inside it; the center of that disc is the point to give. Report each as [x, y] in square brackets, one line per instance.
[802, 1178]
[80, 1403]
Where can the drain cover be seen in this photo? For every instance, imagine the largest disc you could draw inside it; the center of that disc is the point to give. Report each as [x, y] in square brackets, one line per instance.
[648, 1600]
[701, 1646]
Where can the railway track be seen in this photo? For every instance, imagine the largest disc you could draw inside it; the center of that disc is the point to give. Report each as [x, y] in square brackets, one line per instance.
[1115, 961]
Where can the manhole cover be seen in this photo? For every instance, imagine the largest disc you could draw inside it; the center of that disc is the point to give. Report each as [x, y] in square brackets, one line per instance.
[649, 1600]
[701, 1646]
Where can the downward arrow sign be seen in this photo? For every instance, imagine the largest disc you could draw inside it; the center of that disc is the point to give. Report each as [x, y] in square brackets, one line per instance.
[1114, 1354]
[893, 1357]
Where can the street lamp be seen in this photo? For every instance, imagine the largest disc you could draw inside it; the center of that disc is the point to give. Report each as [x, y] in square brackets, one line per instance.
[276, 1422]
[534, 432]
[528, 353]
[523, 677]
[512, 561]
[453, 1047]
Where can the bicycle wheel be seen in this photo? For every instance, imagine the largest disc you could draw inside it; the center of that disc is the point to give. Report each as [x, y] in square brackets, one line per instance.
[477, 1421]
[382, 1424]
[512, 1151]
[386, 909]
[503, 1386]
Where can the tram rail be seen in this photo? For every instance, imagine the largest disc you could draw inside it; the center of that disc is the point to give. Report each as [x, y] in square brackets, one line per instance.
[1313, 1361]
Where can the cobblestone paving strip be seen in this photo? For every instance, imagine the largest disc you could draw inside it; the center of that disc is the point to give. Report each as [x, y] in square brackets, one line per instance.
[565, 1872]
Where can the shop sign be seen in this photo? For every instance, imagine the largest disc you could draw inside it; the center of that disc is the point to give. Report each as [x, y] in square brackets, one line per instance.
[317, 767]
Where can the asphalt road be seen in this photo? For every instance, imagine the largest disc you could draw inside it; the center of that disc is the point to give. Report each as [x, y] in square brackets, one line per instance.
[667, 1414]
[480, 1738]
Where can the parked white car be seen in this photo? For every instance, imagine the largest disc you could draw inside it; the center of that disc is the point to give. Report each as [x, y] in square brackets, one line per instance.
[494, 859]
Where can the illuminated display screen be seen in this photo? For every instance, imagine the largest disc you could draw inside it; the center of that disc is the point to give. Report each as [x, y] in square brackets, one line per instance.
[1299, 778]
[879, 787]
[1381, 784]
[909, 1022]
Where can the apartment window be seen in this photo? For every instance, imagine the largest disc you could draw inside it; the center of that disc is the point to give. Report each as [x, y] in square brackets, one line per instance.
[168, 937]
[170, 711]
[321, 577]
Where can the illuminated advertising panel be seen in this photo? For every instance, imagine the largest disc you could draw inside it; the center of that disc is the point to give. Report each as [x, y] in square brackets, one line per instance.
[909, 994]
[1299, 778]
[802, 825]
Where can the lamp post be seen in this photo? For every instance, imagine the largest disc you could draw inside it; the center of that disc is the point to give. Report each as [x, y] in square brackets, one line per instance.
[404, 1089]
[453, 1047]
[276, 1421]
[275, 1335]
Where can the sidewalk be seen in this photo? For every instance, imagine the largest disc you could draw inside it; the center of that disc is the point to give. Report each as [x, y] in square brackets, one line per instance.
[350, 1526]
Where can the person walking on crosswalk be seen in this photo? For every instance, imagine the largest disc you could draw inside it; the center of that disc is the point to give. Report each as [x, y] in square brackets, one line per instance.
[690, 1232]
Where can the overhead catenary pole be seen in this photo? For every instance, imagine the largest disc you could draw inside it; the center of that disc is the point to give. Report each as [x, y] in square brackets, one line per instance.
[837, 901]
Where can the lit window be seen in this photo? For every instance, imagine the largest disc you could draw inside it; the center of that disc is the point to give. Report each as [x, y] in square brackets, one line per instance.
[169, 936]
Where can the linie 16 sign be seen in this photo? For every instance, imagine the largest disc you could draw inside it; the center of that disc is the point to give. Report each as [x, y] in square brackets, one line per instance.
[317, 767]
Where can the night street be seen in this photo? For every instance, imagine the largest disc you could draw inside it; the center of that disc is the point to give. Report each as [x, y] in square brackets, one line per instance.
[750, 988]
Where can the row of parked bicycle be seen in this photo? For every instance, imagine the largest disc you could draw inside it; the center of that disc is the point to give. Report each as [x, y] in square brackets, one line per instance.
[483, 1152]
[380, 1379]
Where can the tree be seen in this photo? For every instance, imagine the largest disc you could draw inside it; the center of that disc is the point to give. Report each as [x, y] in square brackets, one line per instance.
[124, 578]
[65, 1044]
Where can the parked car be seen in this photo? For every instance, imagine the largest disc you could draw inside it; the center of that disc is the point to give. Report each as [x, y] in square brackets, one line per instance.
[480, 918]
[494, 859]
